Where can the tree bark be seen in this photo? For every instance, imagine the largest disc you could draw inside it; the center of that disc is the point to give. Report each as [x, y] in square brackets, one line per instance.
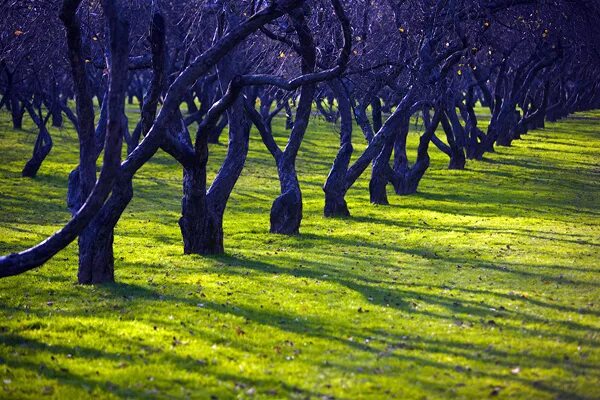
[42, 147]
[335, 187]
[16, 112]
[380, 174]
[406, 178]
[286, 211]
[193, 209]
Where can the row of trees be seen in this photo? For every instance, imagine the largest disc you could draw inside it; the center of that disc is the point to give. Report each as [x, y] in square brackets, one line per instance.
[200, 66]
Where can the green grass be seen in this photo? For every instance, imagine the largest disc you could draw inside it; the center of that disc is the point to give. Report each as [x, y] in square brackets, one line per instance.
[485, 283]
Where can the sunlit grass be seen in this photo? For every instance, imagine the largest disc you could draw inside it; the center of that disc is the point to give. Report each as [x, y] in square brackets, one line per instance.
[484, 283]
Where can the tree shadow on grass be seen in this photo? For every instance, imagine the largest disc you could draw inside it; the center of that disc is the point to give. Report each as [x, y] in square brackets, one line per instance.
[449, 306]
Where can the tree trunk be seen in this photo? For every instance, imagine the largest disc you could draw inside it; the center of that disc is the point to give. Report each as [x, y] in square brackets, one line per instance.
[57, 118]
[201, 223]
[405, 178]
[96, 257]
[408, 183]
[286, 212]
[335, 205]
[455, 134]
[42, 148]
[457, 159]
[193, 209]
[16, 113]
[380, 175]
[335, 186]
[377, 114]
[55, 108]
[43, 143]
[504, 137]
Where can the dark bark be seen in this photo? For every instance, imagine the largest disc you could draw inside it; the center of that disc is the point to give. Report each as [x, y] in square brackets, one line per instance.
[360, 115]
[335, 187]
[55, 108]
[506, 128]
[329, 114]
[286, 211]
[201, 221]
[194, 210]
[454, 133]
[97, 265]
[85, 175]
[96, 259]
[43, 143]
[472, 132]
[457, 159]
[406, 178]
[377, 114]
[57, 118]
[16, 111]
[380, 174]
[191, 103]
[385, 134]
[222, 186]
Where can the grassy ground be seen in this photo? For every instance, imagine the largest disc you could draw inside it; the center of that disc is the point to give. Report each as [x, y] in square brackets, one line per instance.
[486, 283]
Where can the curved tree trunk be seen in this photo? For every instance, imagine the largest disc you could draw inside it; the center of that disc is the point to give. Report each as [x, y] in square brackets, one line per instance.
[220, 190]
[286, 211]
[42, 147]
[380, 175]
[456, 136]
[96, 259]
[335, 187]
[406, 179]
